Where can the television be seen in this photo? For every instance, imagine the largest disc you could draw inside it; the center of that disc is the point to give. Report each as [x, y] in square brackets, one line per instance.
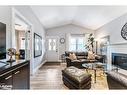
[2, 41]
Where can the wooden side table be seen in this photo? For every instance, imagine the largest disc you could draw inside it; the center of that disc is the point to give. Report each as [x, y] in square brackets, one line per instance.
[63, 57]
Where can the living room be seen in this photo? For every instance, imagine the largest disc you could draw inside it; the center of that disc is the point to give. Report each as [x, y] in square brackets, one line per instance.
[53, 31]
[69, 35]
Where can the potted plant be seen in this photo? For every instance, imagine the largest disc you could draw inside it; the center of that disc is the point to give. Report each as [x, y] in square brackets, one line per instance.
[90, 43]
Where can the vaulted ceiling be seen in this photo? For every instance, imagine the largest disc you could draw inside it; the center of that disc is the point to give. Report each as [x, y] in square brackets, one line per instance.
[91, 17]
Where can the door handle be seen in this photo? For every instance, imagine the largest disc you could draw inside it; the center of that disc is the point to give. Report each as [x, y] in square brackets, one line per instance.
[17, 72]
[8, 77]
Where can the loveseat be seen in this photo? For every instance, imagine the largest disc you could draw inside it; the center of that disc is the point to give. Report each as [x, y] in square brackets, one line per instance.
[81, 59]
[116, 80]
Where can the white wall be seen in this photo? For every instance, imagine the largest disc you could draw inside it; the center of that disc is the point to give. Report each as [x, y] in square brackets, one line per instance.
[6, 17]
[113, 28]
[62, 32]
[37, 28]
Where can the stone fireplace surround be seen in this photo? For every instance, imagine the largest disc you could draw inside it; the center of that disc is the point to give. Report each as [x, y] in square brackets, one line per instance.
[118, 77]
[119, 49]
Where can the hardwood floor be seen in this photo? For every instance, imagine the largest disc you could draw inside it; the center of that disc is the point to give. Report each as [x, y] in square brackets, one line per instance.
[50, 77]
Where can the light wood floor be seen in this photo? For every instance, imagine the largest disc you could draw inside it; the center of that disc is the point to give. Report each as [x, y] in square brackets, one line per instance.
[50, 77]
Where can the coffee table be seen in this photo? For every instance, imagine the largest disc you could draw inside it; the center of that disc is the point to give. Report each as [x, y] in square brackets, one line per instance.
[94, 66]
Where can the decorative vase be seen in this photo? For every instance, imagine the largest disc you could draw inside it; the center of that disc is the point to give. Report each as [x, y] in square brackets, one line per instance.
[11, 52]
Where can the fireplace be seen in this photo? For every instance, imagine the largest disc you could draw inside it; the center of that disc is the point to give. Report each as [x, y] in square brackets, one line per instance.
[119, 60]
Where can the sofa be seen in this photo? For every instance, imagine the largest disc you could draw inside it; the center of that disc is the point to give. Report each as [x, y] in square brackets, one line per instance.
[116, 80]
[81, 59]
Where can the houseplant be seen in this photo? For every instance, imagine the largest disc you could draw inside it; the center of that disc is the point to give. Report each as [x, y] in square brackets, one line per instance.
[90, 43]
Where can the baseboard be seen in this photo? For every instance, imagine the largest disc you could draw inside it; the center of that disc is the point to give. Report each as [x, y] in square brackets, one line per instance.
[36, 69]
[59, 61]
[52, 63]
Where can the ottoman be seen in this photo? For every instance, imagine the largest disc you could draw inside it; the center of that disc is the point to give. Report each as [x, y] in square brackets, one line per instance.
[75, 78]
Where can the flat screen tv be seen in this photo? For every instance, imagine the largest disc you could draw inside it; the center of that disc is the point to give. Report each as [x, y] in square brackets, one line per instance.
[2, 41]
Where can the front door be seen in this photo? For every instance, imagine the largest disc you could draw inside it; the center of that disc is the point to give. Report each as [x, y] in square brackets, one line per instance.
[52, 49]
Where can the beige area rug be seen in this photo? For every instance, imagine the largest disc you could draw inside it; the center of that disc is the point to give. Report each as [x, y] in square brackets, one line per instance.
[101, 80]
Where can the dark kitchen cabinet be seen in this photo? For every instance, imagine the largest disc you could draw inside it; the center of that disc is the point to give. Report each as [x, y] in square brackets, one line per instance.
[20, 78]
[6, 81]
[16, 77]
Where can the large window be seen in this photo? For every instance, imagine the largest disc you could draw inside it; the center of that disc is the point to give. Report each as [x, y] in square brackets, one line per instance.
[77, 43]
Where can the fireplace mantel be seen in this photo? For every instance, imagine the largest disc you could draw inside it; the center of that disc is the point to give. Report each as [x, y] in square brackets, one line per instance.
[118, 44]
[115, 48]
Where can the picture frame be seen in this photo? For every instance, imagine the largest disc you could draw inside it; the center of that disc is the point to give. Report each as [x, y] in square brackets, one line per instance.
[37, 45]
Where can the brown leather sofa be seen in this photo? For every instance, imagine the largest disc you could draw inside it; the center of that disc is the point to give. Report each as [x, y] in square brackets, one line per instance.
[81, 59]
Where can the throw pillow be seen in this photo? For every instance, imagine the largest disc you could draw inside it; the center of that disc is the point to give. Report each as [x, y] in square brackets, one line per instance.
[72, 56]
[91, 55]
[98, 57]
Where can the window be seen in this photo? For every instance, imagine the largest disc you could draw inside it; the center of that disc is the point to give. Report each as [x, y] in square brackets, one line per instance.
[77, 44]
[52, 44]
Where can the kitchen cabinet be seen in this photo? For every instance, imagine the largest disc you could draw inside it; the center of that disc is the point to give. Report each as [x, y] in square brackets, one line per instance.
[6, 81]
[15, 76]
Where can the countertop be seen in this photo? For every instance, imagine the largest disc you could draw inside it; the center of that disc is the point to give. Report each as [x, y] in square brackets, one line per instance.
[6, 66]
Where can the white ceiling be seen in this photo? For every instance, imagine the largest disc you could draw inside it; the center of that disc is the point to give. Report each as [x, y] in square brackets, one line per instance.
[20, 24]
[91, 17]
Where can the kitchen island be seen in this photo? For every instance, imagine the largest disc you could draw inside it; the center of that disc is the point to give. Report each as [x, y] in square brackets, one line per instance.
[14, 75]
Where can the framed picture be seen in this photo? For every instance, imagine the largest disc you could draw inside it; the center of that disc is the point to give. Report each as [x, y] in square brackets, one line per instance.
[37, 45]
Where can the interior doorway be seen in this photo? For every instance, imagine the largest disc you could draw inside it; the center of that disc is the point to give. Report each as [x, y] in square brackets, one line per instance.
[22, 37]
